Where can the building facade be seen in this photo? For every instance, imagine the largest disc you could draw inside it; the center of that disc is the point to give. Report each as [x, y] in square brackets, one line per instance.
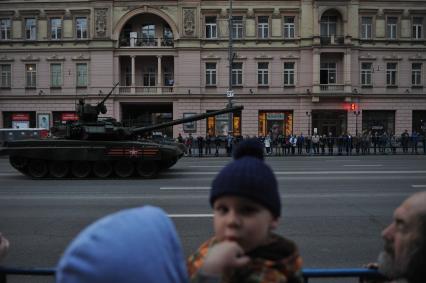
[297, 66]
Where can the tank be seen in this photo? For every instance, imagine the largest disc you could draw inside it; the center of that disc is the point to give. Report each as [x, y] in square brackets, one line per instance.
[98, 148]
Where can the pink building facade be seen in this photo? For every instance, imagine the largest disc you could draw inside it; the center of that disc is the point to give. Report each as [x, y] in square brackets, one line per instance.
[298, 66]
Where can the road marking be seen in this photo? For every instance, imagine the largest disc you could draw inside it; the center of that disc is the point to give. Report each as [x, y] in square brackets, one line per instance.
[307, 172]
[418, 186]
[206, 166]
[184, 188]
[363, 165]
[190, 215]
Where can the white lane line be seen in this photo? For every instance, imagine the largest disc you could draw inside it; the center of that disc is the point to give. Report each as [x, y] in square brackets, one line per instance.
[418, 186]
[190, 215]
[184, 188]
[363, 165]
[312, 172]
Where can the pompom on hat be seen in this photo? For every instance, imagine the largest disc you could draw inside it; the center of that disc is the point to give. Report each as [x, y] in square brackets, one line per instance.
[248, 176]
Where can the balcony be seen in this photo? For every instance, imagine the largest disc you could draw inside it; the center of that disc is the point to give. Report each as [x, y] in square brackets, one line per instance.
[332, 40]
[332, 87]
[146, 90]
[138, 42]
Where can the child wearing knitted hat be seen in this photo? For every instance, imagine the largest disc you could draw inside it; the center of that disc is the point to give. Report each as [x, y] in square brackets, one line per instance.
[246, 205]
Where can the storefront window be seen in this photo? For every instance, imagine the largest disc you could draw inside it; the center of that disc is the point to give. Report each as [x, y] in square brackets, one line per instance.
[378, 121]
[19, 120]
[275, 122]
[218, 125]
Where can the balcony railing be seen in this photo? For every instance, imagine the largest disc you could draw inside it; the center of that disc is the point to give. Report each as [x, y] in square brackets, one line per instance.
[146, 42]
[146, 90]
[332, 40]
[332, 87]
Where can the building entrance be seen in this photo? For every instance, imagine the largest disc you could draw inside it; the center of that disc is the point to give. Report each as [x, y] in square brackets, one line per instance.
[140, 115]
[329, 121]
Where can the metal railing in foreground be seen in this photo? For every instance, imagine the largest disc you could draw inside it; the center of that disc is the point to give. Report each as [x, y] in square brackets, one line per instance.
[308, 273]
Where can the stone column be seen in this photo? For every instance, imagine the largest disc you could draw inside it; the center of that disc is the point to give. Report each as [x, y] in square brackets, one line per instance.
[159, 72]
[316, 61]
[133, 82]
[347, 71]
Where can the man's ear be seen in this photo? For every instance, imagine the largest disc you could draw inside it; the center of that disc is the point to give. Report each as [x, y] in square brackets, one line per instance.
[274, 223]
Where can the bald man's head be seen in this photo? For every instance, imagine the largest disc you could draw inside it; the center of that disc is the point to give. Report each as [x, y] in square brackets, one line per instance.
[404, 255]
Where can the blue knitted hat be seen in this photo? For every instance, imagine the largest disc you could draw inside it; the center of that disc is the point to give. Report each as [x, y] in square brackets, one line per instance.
[249, 177]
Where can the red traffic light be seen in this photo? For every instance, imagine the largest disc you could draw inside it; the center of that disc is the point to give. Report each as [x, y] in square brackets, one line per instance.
[353, 106]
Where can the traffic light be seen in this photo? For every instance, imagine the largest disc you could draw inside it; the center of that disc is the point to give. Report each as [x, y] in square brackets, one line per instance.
[353, 106]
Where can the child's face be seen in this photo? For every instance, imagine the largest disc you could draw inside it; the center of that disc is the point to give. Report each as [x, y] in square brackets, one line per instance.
[243, 221]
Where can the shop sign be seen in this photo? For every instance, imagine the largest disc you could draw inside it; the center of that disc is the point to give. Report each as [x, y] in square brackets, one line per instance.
[69, 117]
[20, 117]
[275, 116]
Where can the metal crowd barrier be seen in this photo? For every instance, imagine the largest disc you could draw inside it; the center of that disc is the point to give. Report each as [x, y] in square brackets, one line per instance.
[308, 273]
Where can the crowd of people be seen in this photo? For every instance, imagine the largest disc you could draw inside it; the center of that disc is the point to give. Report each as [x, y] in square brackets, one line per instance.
[142, 245]
[327, 144]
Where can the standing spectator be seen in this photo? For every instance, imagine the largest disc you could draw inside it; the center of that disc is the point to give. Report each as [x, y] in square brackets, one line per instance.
[340, 141]
[393, 143]
[348, 144]
[4, 246]
[229, 144]
[308, 144]
[267, 143]
[217, 142]
[404, 141]
[208, 144]
[180, 138]
[424, 141]
[134, 245]
[375, 141]
[246, 206]
[200, 142]
[356, 142]
[316, 143]
[189, 143]
[293, 144]
[414, 142]
[281, 144]
[322, 142]
[330, 143]
[300, 142]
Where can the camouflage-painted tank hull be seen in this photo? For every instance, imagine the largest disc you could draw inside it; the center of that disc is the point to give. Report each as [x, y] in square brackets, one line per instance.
[52, 158]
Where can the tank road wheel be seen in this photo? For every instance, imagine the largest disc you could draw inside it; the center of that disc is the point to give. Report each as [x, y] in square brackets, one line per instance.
[59, 169]
[18, 162]
[124, 168]
[102, 169]
[37, 168]
[147, 169]
[80, 169]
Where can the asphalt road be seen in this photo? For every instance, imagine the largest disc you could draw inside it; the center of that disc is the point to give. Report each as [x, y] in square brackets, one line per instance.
[333, 207]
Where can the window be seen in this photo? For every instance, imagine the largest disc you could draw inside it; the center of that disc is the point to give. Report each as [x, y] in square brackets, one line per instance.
[211, 27]
[417, 28]
[366, 74]
[55, 75]
[237, 74]
[30, 75]
[328, 73]
[289, 74]
[5, 76]
[210, 74]
[391, 73]
[55, 28]
[416, 74]
[148, 35]
[81, 74]
[149, 77]
[289, 27]
[81, 28]
[391, 27]
[263, 26]
[30, 29]
[366, 27]
[167, 36]
[262, 73]
[328, 26]
[237, 27]
[5, 26]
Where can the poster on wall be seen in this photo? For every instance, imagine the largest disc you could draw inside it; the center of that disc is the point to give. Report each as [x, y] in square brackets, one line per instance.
[189, 127]
[43, 120]
[20, 120]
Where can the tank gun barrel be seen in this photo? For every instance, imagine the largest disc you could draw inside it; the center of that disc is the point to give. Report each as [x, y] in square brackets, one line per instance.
[187, 120]
[108, 95]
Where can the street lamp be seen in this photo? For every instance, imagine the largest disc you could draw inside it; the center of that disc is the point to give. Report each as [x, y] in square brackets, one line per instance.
[356, 113]
[309, 122]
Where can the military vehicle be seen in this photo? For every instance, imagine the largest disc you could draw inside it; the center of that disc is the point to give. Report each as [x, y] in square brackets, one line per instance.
[99, 148]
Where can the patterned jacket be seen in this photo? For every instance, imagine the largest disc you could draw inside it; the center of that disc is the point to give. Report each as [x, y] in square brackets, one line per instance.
[277, 262]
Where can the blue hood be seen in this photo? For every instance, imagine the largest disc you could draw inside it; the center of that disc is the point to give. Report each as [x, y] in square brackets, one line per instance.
[137, 245]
